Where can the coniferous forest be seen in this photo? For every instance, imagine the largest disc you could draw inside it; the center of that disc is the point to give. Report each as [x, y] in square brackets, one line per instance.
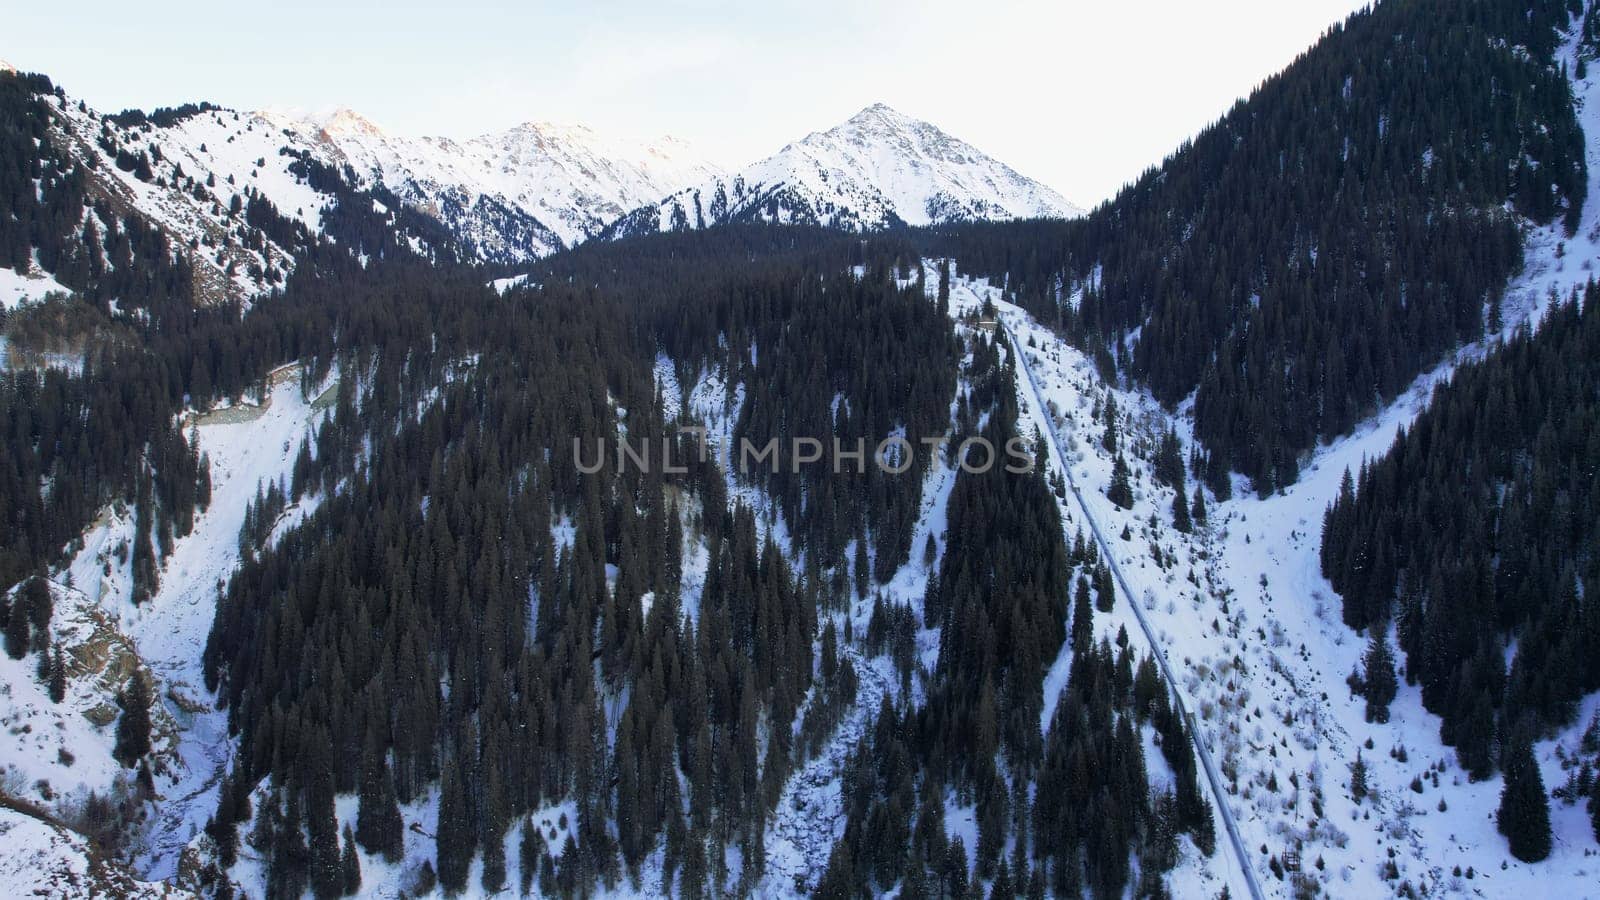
[1298, 262]
[1476, 531]
[446, 629]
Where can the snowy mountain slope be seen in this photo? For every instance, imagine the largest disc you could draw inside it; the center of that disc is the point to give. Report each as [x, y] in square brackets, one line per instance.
[19, 287]
[515, 195]
[238, 198]
[44, 858]
[878, 169]
[1242, 607]
[55, 753]
[185, 178]
[247, 445]
[1246, 619]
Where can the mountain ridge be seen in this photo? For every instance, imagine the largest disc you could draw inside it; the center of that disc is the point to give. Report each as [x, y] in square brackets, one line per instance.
[879, 168]
[509, 197]
[557, 184]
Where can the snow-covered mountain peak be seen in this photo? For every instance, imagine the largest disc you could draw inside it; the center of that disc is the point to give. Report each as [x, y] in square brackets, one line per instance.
[881, 123]
[878, 168]
[516, 194]
[549, 130]
[880, 115]
[326, 124]
[6, 67]
[345, 121]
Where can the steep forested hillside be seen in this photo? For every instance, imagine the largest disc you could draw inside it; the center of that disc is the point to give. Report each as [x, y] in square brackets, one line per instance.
[108, 430]
[513, 608]
[1074, 807]
[1298, 262]
[1475, 535]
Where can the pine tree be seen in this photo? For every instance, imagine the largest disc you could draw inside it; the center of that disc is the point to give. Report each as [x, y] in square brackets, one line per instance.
[133, 726]
[1169, 462]
[17, 630]
[1082, 618]
[1524, 815]
[1198, 512]
[944, 286]
[530, 848]
[378, 824]
[39, 603]
[1381, 684]
[350, 864]
[1105, 588]
[1180, 513]
[1358, 778]
[1121, 491]
[58, 676]
[861, 568]
[494, 864]
[839, 879]
[456, 838]
[1109, 439]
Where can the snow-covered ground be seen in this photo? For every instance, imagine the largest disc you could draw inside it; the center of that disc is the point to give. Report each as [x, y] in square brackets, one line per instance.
[44, 859]
[1242, 612]
[1241, 608]
[17, 287]
[1065, 381]
[248, 446]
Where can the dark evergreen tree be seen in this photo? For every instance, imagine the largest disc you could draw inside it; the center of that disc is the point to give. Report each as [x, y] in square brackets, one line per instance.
[1524, 815]
[1121, 491]
[378, 824]
[18, 629]
[1180, 513]
[58, 676]
[133, 725]
[1380, 684]
[1469, 537]
[456, 838]
[350, 865]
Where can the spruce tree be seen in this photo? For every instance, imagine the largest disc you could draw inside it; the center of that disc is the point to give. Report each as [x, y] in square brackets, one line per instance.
[379, 827]
[350, 864]
[1121, 491]
[40, 605]
[456, 838]
[1358, 778]
[1524, 815]
[1105, 588]
[1180, 513]
[494, 864]
[530, 847]
[17, 630]
[58, 676]
[1594, 808]
[1109, 439]
[1380, 681]
[861, 568]
[1082, 618]
[133, 726]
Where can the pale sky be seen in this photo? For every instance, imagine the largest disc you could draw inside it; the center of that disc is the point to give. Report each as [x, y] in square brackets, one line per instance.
[1080, 95]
